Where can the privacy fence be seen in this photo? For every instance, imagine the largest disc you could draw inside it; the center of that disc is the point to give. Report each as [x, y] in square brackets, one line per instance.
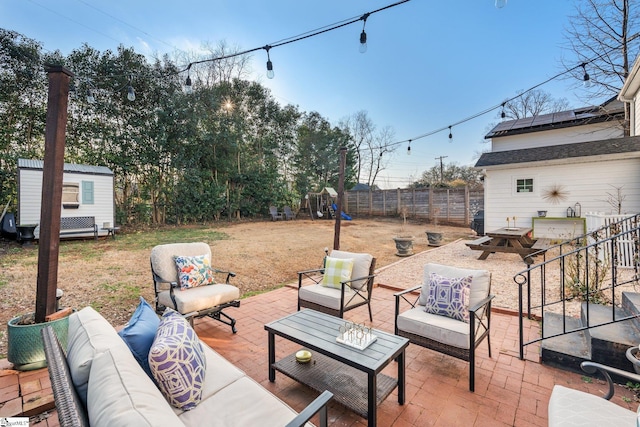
[446, 205]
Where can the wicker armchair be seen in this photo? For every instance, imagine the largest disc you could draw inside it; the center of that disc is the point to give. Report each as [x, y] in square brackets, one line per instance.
[196, 302]
[442, 332]
[352, 293]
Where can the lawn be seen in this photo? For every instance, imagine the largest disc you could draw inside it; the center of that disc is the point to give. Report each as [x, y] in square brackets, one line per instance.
[110, 275]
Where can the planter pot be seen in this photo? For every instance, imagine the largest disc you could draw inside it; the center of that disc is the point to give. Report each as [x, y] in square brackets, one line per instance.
[434, 238]
[632, 355]
[404, 246]
[24, 342]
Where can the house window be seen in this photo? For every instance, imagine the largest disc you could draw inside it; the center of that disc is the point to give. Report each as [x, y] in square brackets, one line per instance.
[524, 185]
[87, 193]
[70, 195]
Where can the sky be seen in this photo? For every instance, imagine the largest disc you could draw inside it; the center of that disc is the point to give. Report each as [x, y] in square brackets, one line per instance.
[428, 65]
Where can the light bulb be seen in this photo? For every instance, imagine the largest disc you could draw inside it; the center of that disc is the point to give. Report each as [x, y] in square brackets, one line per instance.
[501, 3]
[187, 85]
[586, 80]
[270, 73]
[409, 150]
[90, 98]
[450, 135]
[363, 42]
[131, 94]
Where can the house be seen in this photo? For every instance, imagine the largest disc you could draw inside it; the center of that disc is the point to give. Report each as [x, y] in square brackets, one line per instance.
[87, 191]
[566, 163]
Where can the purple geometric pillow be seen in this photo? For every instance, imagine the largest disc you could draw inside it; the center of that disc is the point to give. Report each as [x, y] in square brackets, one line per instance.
[449, 296]
[177, 361]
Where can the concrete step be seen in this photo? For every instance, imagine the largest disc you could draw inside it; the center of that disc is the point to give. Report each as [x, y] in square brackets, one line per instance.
[631, 305]
[566, 351]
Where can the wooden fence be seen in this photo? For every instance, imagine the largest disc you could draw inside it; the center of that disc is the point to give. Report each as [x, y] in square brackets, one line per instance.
[446, 205]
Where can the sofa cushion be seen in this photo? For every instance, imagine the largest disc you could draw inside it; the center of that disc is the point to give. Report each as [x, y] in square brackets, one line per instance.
[201, 298]
[242, 403]
[449, 296]
[177, 361]
[120, 394]
[361, 266]
[194, 271]
[140, 332]
[330, 297]
[569, 407]
[89, 335]
[336, 271]
[439, 328]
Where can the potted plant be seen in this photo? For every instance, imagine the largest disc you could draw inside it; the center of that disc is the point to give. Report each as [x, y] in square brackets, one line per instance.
[434, 236]
[403, 240]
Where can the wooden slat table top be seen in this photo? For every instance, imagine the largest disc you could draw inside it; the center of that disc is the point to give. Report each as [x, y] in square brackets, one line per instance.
[318, 332]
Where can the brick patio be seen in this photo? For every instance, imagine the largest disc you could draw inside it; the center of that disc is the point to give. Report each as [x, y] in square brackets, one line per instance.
[509, 391]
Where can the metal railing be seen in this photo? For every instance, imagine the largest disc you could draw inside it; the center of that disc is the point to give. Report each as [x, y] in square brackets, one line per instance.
[585, 268]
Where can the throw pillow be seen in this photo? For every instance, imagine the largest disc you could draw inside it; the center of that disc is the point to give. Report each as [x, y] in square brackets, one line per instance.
[449, 296]
[140, 332]
[194, 271]
[336, 270]
[177, 361]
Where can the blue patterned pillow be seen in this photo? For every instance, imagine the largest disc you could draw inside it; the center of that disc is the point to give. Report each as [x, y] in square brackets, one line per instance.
[449, 296]
[194, 271]
[140, 332]
[177, 361]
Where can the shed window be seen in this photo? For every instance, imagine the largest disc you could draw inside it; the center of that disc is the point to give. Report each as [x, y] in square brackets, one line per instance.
[524, 185]
[70, 194]
[87, 192]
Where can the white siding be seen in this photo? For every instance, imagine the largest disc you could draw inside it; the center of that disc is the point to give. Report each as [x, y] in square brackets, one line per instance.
[587, 183]
[569, 135]
[30, 196]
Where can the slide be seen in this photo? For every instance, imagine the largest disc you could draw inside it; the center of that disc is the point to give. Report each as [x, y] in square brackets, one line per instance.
[344, 215]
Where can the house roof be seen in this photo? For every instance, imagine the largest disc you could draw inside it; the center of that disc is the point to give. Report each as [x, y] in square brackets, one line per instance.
[629, 144]
[612, 109]
[68, 167]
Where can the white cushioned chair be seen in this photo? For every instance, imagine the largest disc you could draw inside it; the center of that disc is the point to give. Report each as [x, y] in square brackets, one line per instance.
[438, 329]
[207, 300]
[351, 293]
[569, 407]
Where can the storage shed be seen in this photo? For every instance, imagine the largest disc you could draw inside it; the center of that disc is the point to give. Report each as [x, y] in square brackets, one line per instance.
[87, 198]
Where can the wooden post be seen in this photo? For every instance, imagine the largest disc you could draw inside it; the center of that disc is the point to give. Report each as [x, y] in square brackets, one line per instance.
[51, 205]
[343, 163]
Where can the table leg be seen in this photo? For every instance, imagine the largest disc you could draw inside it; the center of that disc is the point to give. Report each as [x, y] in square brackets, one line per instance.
[272, 356]
[401, 378]
[372, 411]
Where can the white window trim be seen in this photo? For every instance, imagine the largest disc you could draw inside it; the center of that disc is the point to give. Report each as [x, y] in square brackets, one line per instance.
[514, 185]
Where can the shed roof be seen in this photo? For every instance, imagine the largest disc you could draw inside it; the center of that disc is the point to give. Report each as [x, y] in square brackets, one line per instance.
[629, 144]
[68, 167]
[612, 109]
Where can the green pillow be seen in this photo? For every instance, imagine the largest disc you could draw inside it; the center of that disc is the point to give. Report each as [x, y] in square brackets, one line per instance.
[336, 270]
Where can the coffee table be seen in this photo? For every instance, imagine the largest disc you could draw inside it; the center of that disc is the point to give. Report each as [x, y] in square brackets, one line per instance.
[353, 376]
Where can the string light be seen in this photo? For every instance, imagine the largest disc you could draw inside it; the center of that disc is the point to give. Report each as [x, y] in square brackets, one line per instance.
[586, 80]
[501, 3]
[503, 114]
[409, 148]
[450, 135]
[131, 94]
[363, 34]
[270, 73]
[187, 84]
[90, 96]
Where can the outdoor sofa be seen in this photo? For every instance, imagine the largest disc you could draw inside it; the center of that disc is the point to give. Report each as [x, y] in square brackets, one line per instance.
[100, 383]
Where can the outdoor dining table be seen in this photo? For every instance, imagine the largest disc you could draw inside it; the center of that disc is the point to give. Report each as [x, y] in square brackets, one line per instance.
[506, 239]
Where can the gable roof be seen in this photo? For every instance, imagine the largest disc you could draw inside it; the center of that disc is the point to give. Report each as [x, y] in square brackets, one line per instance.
[68, 167]
[612, 109]
[629, 144]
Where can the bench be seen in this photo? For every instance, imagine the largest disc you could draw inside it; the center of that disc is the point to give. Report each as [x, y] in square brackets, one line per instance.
[476, 244]
[542, 244]
[78, 224]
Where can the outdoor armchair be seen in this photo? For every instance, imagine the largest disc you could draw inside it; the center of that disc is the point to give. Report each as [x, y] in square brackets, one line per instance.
[183, 281]
[451, 314]
[288, 213]
[275, 215]
[344, 283]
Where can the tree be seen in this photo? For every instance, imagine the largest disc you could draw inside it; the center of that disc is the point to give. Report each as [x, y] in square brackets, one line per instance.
[452, 176]
[603, 35]
[533, 103]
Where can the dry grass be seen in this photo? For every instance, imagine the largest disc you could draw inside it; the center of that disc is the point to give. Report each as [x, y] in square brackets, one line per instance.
[110, 275]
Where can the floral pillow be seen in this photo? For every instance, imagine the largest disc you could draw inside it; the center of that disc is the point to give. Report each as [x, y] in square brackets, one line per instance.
[449, 296]
[177, 361]
[336, 270]
[194, 271]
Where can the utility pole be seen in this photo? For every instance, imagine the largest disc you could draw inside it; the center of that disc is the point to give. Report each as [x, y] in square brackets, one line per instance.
[441, 167]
